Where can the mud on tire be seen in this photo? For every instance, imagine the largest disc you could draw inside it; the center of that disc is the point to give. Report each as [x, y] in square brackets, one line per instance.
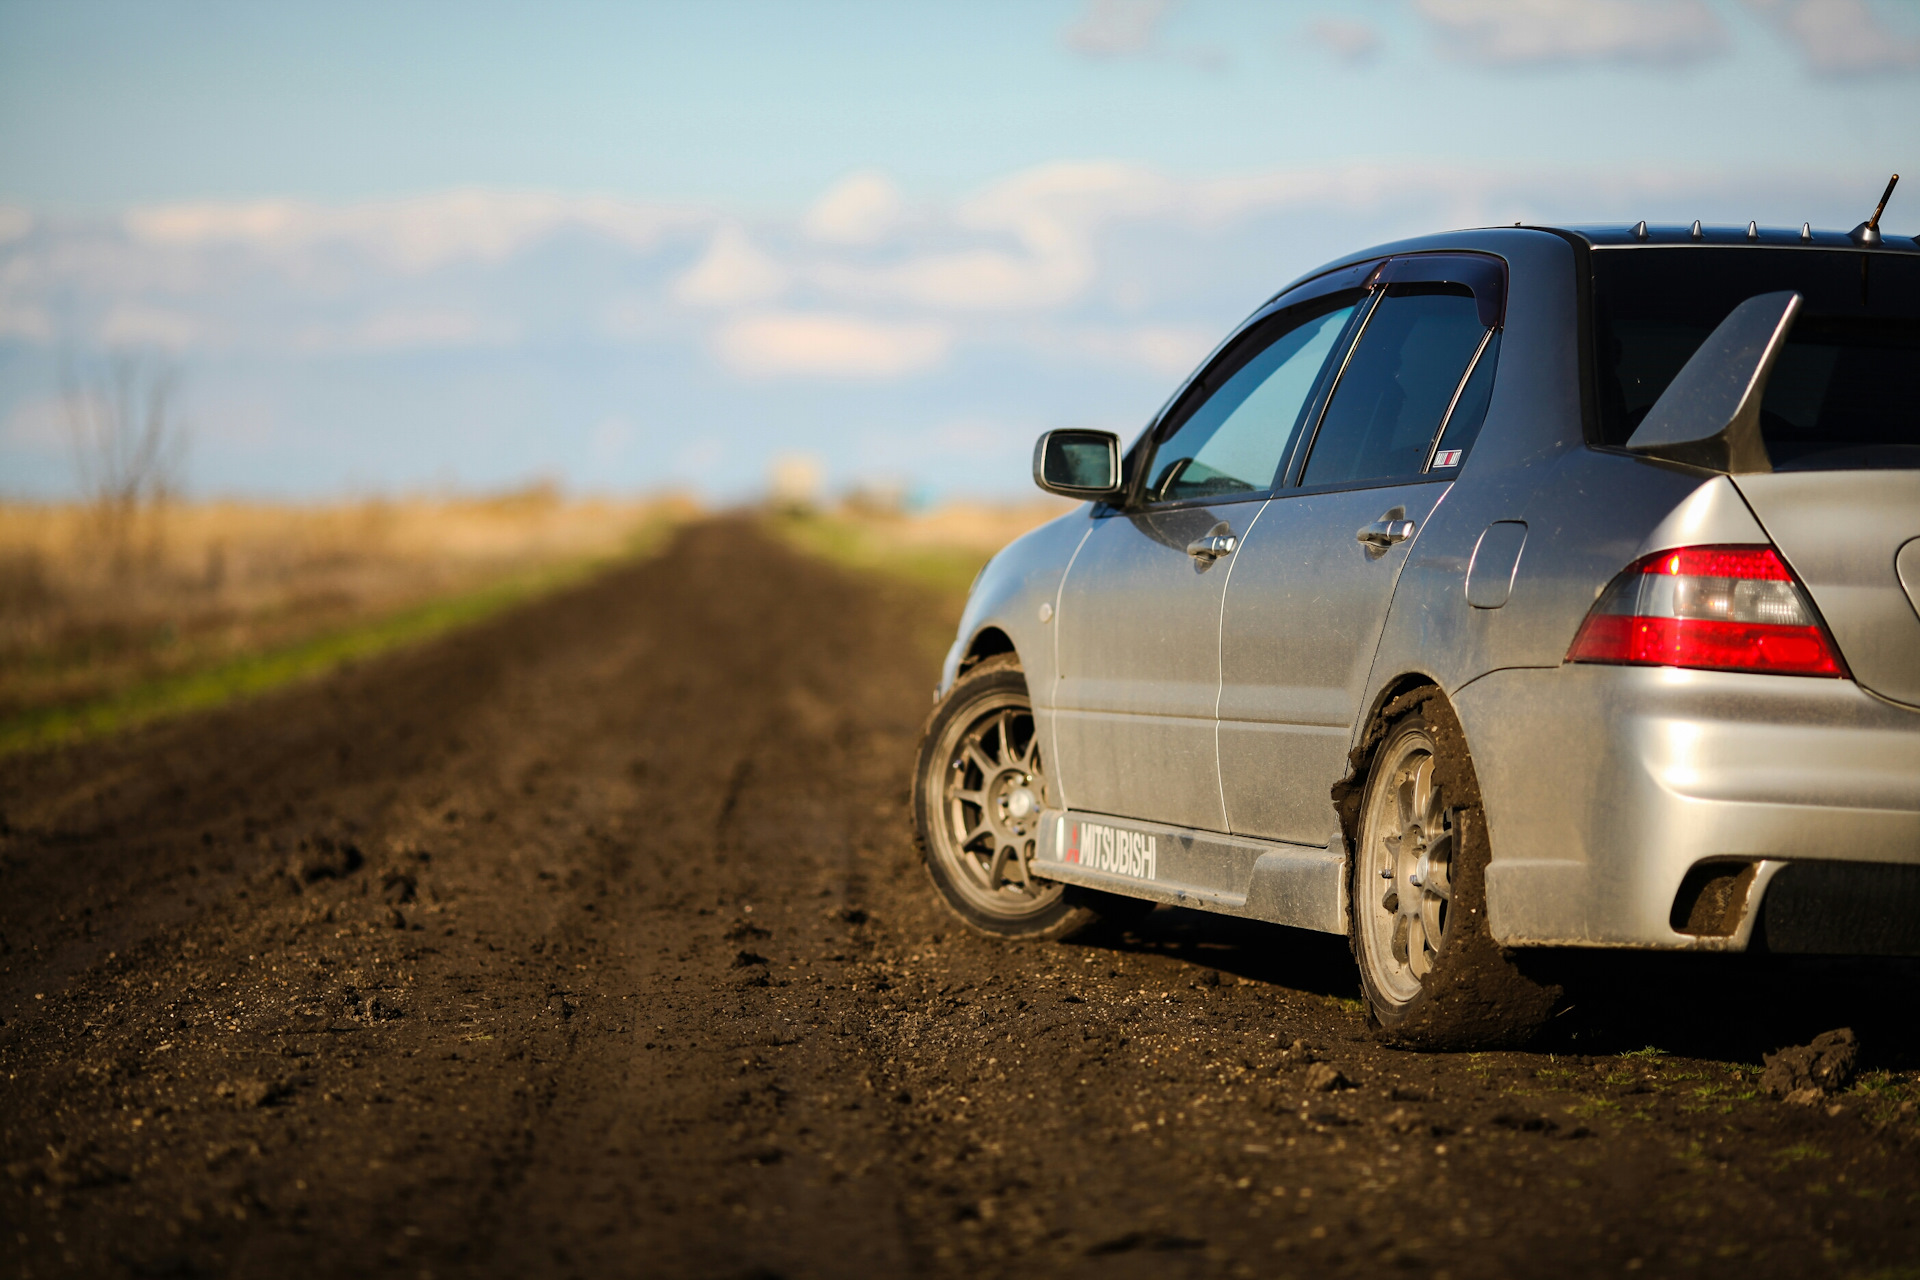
[1433, 976]
[979, 784]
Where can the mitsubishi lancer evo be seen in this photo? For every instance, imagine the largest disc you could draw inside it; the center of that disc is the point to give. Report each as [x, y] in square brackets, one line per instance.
[1495, 590]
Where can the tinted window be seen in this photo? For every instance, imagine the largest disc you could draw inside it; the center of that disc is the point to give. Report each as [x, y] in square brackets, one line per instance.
[1398, 385]
[1247, 410]
[1470, 410]
[1846, 391]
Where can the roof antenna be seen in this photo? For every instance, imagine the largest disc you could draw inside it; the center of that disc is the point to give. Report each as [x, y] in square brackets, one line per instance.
[1868, 232]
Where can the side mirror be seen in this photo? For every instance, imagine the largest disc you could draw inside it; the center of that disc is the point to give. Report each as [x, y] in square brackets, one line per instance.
[1078, 463]
[1709, 415]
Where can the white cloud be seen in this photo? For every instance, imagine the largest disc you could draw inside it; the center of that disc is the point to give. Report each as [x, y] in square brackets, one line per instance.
[136, 325]
[1171, 350]
[1050, 212]
[1092, 263]
[835, 346]
[731, 272]
[406, 329]
[416, 234]
[1841, 37]
[15, 222]
[1349, 39]
[860, 209]
[24, 321]
[1115, 28]
[396, 330]
[1523, 32]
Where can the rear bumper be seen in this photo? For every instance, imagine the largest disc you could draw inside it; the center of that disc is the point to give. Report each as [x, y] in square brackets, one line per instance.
[1605, 786]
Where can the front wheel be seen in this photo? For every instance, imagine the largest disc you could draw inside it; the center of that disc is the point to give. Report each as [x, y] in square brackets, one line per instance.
[978, 790]
[1434, 977]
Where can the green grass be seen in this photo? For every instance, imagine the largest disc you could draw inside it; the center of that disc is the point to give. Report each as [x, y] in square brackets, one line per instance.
[252, 674]
[855, 544]
[1799, 1151]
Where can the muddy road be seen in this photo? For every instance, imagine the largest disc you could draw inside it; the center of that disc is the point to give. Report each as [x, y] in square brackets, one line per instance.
[591, 942]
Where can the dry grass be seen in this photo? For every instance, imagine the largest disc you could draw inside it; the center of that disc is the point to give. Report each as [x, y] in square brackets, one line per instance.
[212, 583]
[943, 548]
[206, 602]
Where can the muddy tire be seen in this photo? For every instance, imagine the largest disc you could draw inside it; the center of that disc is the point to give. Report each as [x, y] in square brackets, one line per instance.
[979, 785]
[1432, 974]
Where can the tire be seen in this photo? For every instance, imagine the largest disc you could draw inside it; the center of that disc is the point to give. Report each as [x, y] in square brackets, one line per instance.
[1433, 976]
[979, 786]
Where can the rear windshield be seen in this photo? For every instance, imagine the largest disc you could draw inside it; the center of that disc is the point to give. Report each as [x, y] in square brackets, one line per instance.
[1846, 391]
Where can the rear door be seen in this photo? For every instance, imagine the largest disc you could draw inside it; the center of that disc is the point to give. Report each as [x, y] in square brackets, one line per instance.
[1139, 620]
[1313, 580]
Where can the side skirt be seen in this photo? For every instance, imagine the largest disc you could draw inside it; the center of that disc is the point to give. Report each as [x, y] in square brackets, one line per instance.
[1291, 884]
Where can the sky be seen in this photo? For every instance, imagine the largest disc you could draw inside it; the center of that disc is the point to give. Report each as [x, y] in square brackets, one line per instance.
[630, 247]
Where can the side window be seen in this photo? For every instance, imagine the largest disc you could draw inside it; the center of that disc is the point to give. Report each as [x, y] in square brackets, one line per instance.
[1247, 411]
[1405, 373]
[1470, 409]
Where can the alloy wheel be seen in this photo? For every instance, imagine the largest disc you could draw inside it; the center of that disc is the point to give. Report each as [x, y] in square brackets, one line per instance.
[1405, 888]
[992, 792]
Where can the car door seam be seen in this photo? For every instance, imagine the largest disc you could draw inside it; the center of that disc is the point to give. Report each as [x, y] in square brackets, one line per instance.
[1053, 699]
[1368, 689]
[1220, 661]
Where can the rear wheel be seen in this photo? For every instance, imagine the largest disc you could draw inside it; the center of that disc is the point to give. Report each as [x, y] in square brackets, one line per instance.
[1433, 976]
[979, 788]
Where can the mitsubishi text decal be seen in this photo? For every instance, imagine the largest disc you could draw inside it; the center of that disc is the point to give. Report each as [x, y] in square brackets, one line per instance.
[1127, 853]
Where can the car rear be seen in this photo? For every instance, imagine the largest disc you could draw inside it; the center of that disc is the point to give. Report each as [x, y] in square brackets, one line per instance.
[1737, 724]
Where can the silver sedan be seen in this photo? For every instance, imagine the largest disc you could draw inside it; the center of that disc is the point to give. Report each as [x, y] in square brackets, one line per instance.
[1485, 592]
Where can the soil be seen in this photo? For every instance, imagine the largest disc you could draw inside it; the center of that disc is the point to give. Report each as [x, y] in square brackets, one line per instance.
[590, 942]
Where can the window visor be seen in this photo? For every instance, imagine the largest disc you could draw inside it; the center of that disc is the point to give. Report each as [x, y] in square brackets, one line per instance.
[1485, 276]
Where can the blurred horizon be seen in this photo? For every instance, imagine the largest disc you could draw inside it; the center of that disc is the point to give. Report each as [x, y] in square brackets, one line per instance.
[652, 248]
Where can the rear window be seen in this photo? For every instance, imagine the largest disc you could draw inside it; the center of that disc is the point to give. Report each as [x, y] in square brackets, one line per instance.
[1846, 392]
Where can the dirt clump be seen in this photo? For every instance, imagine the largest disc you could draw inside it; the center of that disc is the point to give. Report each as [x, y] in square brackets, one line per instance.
[1808, 1072]
[1323, 1077]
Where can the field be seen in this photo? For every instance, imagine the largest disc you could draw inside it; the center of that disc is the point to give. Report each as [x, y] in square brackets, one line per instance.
[103, 626]
[588, 939]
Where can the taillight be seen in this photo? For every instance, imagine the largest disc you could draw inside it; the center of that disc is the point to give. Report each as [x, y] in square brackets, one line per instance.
[1722, 608]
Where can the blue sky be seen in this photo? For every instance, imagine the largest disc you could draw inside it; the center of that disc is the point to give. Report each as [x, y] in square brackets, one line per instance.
[635, 245]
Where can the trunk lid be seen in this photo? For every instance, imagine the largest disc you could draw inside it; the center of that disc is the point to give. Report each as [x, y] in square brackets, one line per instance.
[1846, 534]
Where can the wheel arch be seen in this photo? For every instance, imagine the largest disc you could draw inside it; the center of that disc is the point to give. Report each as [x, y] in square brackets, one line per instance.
[989, 641]
[1390, 701]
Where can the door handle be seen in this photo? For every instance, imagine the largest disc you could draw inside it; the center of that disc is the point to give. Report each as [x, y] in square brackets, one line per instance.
[1384, 533]
[1220, 542]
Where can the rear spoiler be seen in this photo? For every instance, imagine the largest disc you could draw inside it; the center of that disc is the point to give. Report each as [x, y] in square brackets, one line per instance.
[1709, 415]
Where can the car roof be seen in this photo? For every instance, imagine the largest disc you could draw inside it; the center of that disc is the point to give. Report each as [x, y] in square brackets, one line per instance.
[1616, 235]
[1752, 235]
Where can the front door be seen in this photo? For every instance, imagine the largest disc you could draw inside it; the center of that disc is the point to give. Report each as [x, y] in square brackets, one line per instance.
[1139, 621]
[1314, 578]
[1140, 666]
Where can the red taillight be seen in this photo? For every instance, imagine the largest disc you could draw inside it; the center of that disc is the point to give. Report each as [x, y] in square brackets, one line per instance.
[1721, 608]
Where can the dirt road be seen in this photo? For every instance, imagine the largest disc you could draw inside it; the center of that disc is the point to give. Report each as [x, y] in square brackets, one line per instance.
[591, 942]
